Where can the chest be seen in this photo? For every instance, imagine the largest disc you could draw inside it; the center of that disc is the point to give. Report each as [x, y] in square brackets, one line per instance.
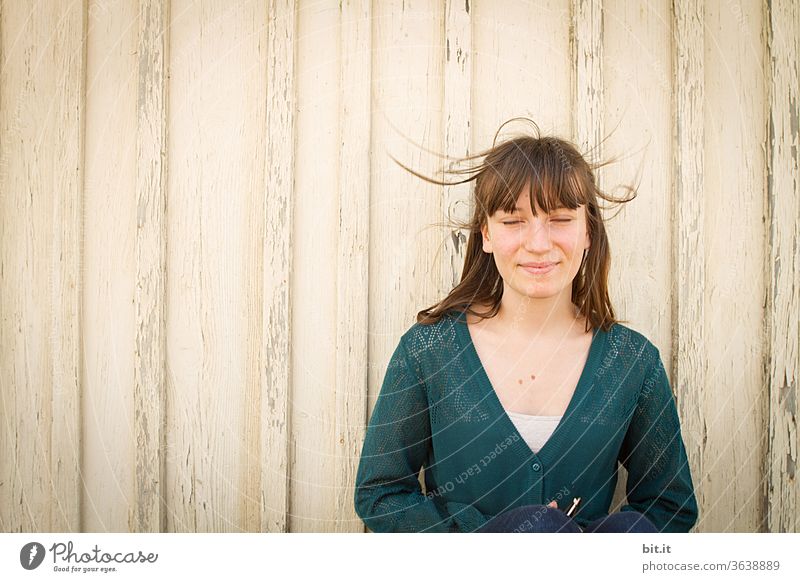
[533, 378]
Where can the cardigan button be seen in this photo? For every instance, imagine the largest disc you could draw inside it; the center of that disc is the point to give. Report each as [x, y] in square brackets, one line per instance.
[536, 466]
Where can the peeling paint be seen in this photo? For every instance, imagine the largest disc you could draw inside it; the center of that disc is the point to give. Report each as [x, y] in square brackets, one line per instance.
[788, 398]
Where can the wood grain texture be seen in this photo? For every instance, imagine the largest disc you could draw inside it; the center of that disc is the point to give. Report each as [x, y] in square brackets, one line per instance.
[521, 67]
[457, 113]
[733, 401]
[407, 75]
[69, 70]
[637, 81]
[316, 228]
[109, 268]
[586, 59]
[42, 100]
[277, 271]
[635, 133]
[214, 166]
[689, 359]
[254, 77]
[587, 79]
[783, 298]
[150, 297]
[352, 277]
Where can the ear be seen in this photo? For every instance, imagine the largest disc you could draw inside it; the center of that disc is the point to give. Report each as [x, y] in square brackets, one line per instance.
[487, 243]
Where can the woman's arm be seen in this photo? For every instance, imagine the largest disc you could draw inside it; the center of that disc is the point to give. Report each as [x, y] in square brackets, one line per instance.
[388, 496]
[659, 478]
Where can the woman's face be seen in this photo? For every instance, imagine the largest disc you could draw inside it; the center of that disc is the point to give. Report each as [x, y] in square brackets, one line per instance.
[537, 256]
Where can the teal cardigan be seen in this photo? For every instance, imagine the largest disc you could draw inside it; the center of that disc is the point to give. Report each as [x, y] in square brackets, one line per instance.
[437, 409]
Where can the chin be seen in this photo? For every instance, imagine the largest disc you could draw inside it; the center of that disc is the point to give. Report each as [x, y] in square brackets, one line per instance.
[539, 293]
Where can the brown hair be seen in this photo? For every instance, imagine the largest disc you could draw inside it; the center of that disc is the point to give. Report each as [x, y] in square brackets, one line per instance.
[559, 176]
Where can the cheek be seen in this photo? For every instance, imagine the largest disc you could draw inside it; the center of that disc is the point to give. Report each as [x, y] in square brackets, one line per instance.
[570, 240]
[508, 244]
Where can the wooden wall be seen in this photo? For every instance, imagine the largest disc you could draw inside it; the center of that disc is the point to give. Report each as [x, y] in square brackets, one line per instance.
[207, 255]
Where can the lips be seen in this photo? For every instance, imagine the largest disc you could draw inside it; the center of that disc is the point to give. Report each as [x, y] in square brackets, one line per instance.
[538, 268]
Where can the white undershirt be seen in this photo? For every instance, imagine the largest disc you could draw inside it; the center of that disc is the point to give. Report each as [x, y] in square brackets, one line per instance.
[535, 430]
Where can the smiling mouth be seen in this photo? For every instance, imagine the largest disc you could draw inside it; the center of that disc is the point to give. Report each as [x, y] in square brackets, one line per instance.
[539, 268]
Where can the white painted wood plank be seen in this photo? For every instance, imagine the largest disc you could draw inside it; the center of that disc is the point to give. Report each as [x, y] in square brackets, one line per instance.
[352, 278]
[68, 70]
[213, 170]
[457, 113]
[316, 228]
[149, 304]
[407, 77]
[109, 268]
[405, 271]
[42, 101]
[783, 298]
[588, 131]
[729, 473]
[253, 78]
[587, 85]
[689, 357]
[277, 271]
[521, 67]
[637, 124]
[634, 129]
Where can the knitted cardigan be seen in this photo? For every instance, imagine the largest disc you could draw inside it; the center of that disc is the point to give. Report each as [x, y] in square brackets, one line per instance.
[438, 409]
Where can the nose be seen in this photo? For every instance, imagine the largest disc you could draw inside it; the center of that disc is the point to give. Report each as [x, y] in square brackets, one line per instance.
[537, 237]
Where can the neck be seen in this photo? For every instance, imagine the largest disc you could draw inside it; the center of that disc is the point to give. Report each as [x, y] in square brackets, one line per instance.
[546, 317]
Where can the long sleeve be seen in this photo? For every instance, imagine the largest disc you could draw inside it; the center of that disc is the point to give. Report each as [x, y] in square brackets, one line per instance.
[659, 478]
[388, 496]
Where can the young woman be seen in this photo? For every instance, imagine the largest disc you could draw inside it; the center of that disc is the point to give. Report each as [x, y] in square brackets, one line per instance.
[520, 392]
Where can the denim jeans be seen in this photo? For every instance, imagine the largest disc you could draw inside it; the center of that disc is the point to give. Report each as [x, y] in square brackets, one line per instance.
[543, 519]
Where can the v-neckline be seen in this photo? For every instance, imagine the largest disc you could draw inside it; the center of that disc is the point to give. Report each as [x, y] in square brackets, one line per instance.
[584, 381]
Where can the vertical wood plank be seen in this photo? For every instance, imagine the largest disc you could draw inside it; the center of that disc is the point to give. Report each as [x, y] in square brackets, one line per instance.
[109, 267]
[352, 287]
[150, 346]
[689, 360]
[783, 298]
[636, 129]
[42, 101]
[277, 322]
[637, 81]
[457, 112]
[587, 78]
[733, 402]
[69, 71]
[215, 165]
[521, 67]
[586, 57]
[254, 73]
[315, 229]
[407, 76]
